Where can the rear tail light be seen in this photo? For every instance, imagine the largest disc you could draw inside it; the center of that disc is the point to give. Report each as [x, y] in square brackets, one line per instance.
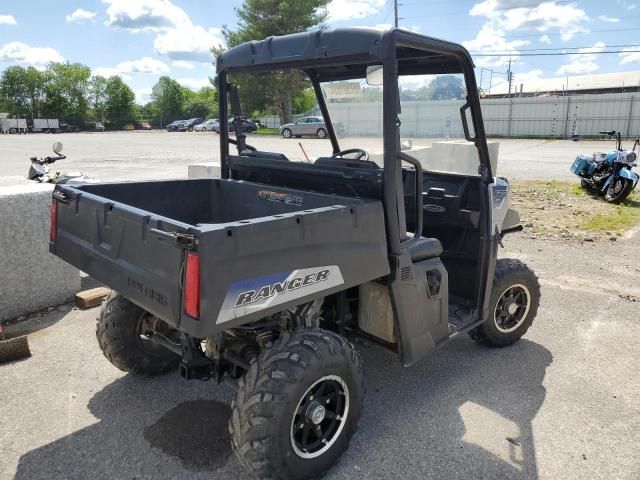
[54, 220]
[192, 286]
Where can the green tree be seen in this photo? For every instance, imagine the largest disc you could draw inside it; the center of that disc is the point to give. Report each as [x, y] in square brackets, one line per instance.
[97, 97]
[258, 19]
[120, 107]
[23, 90]
[200, 104]
[446, 87]
[168, 98]
[66, 91]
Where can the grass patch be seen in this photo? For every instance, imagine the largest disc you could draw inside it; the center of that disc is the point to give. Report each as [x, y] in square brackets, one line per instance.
[621, 217]
[564, 210]
[267, 131]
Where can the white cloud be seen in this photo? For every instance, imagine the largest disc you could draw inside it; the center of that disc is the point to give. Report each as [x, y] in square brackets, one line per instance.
[543, 16]
[605, 18]
[143, 95]
[628, 56]
[144, 15]
[109, 72]
[18, 52]
[491, 39]
[626, 5]
[177, 36]
[582, 64]
[545, 39]
[194, 83]
[415, 82]
[524, 76]
[143, 65]
[7, 20]
[188, 43]
[80, 16]
[183, 64]
[348, 9]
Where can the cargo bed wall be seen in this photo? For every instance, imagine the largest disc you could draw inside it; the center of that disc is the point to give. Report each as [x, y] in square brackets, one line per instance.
[213, 201]
[249, 236]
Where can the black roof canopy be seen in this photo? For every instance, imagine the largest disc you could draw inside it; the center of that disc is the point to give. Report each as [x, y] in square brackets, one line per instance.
[345, 53]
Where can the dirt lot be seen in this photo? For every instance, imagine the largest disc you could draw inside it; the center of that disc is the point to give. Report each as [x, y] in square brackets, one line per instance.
[563, 403]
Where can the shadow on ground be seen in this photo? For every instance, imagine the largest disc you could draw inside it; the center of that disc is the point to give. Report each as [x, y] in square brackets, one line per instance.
[465, 413]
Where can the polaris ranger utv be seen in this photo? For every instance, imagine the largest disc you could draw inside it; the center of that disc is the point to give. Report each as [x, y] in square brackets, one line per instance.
[259, 277]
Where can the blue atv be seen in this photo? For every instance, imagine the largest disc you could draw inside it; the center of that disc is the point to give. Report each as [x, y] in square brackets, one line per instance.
[609, 173]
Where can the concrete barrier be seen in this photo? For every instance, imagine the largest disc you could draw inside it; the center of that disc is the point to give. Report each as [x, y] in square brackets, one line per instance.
[204, 170]
[30, 277]
[450, 156]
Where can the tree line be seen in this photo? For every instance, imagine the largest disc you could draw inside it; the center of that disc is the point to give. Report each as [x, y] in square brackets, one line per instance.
[69, 92]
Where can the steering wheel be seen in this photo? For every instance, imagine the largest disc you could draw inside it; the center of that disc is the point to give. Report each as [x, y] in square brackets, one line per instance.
[363, 154]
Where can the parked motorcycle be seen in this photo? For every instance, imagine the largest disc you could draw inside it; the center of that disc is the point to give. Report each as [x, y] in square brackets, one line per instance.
[41, 172]
[609, 173]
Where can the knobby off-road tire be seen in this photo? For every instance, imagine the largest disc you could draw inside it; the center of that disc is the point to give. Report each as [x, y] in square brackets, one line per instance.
[275, 405]
[515, 298]
[118, 332]
[617, 193]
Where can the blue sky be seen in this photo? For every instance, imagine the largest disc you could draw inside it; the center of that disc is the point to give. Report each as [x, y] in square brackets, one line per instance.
[143, 39]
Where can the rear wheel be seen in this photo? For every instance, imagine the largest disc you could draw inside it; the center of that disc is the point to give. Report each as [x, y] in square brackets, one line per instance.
[121, 335]
[286, 133]
[618, 190]
[298, 406]
[514, 303]
[321, 133]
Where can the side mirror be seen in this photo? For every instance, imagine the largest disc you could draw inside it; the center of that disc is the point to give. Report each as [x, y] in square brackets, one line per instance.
[375, 75]
[57, 148]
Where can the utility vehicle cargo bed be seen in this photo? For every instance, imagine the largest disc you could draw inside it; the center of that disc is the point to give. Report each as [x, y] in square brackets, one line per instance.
[261, 248]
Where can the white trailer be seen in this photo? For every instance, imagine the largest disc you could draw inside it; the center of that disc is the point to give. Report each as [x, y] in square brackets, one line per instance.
[46, 125]
[13, 125]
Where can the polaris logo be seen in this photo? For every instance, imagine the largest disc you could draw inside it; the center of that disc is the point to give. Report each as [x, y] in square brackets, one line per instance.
[280, 288]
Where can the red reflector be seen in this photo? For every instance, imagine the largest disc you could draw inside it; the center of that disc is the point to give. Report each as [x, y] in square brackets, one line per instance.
[192, 286]
[54, 220]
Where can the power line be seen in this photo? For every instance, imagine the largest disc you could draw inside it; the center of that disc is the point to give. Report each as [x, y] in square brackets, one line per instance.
[513, 53]
[633, 45]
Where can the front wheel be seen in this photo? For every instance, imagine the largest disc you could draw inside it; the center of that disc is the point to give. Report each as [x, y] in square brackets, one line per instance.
[618, 190]
[515, 298]
[298, 406]
[121, 335]
[286, 133]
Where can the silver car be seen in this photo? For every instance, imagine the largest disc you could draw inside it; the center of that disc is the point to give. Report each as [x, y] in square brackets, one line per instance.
[305, 126]
[208, 126]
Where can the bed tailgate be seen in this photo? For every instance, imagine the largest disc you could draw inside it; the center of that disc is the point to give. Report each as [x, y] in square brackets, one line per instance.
[139, 254]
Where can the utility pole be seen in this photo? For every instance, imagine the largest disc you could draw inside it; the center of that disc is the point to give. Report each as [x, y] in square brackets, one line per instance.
[509, 77]
[395, 12]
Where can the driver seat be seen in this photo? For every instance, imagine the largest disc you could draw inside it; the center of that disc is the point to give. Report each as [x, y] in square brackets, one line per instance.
[345, 162]
[424, 248]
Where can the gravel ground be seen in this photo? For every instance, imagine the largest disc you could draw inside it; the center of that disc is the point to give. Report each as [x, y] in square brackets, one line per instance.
[162, 155]
[562, 403]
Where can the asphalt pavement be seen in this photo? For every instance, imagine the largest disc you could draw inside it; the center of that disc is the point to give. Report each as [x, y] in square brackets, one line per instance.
[563, 403]
[156, 155]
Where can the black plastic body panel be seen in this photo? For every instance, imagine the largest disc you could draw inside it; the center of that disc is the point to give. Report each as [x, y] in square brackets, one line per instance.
[120, 233]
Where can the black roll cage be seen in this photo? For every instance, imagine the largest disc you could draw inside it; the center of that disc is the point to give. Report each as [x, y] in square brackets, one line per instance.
[344, 54]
